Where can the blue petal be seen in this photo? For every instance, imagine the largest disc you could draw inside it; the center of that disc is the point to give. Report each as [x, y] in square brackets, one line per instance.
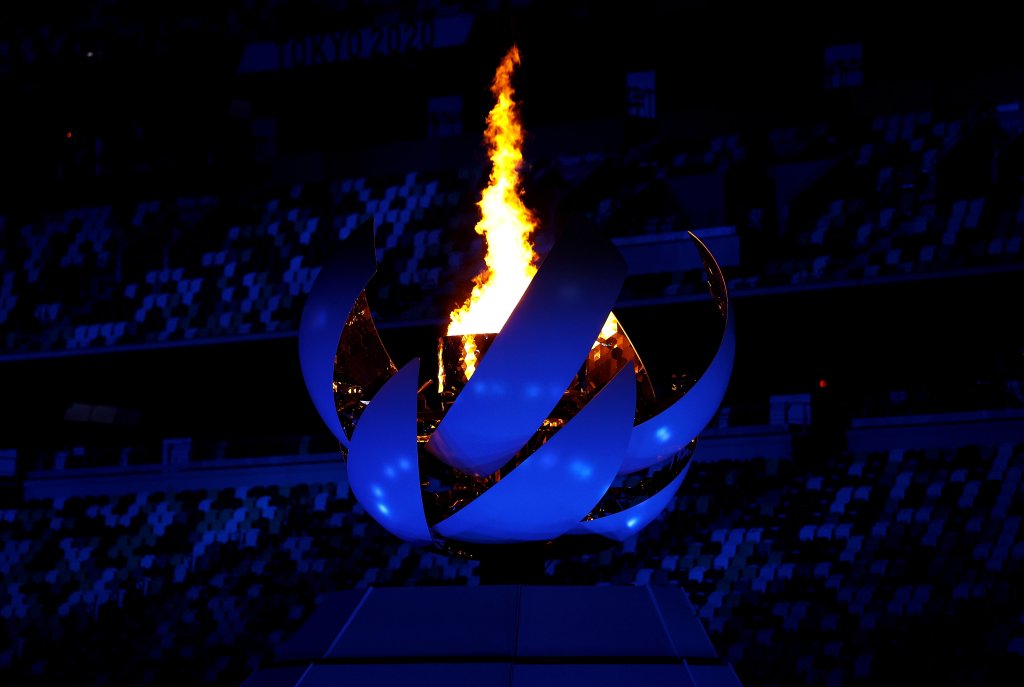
[548, 493]
[665, 434]
[383, 467]
[624, 524]
[339, 283]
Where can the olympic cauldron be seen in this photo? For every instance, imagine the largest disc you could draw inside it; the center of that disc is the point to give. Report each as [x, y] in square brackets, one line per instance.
[557, 436]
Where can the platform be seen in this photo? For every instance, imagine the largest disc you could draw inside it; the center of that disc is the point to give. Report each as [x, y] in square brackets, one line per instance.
[523, 636]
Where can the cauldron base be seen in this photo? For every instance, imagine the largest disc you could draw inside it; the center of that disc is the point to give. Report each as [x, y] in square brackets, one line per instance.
[500, 635]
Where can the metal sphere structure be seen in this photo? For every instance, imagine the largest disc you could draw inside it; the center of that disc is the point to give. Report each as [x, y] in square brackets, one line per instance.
[556, 434]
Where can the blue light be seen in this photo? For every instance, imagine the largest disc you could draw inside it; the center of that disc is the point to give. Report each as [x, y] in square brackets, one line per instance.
[581, 469]
[383, 509]
[404, 464]
[632, 522]
[377, 491]
[663, 434]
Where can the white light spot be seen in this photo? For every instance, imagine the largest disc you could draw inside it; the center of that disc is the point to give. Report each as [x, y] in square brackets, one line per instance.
[581, 469]
[383, 509]
[631, 523]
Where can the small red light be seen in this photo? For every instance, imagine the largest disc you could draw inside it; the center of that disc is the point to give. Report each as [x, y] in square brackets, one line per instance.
[68, 135]
[822, 384]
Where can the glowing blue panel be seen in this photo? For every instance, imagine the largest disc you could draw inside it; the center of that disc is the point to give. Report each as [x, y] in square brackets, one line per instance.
[561, 482]
[486, 674]
[320, 632]
[406, 622]
[534, 358]
[688, 636]
[665, 434]
[339, 283]
[624, 524]
[579, 622]
[383, 463]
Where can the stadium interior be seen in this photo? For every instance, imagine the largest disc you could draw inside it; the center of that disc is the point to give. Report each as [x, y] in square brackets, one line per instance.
[173, 175]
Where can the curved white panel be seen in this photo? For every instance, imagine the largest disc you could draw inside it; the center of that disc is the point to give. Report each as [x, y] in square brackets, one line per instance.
[383, 460]
[338, 284]
[662, 436]
[624, 524]
[534, 358]
[548, 493]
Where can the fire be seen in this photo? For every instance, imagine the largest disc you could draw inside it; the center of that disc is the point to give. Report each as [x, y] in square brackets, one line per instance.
[505, 223]
[610, 329]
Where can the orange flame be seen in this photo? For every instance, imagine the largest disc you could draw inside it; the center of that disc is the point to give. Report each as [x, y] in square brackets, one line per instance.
[505, 223]
[610, 329]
